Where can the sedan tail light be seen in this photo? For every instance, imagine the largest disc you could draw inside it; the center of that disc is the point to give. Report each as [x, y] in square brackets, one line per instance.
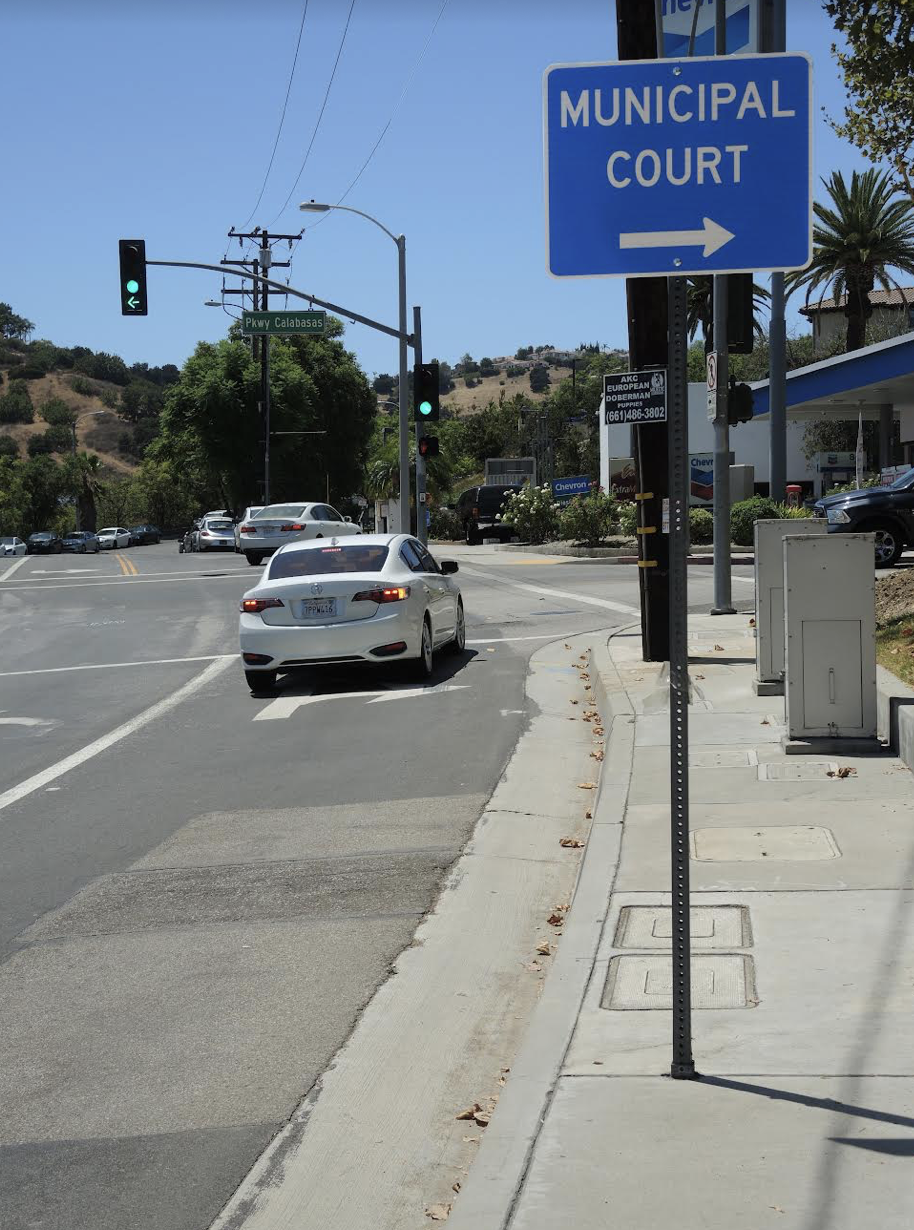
[286, 528]
[396, 593]
[254, 606]
[248, 529]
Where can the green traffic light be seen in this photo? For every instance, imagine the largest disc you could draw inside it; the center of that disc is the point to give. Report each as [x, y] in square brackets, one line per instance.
[133, 286]
[425, 407]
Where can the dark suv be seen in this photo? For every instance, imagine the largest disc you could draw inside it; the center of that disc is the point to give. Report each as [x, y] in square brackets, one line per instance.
[887, 512]
[477, 510]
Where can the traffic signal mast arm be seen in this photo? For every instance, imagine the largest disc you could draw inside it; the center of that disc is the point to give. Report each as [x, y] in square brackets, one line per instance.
[290, 290]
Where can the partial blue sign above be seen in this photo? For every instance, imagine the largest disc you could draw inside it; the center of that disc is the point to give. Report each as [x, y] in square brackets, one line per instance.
[669, 167]
[678, 18]
[568, 488]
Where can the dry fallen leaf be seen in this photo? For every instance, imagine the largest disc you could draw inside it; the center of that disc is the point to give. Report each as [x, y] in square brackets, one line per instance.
[482, 1118]
[438, 1212]
[583, 675]
[751, 623]
[718, 649]
[471, 1140]
[533, 967]
[588, 815]
[698, 676]
[844, 771]
[571, 843]
[765, 722]
[598, 730]
[567, 646]
[544, 949]
[470, 1112]
[456, 1186]
[574, 702]
[555, 920]
[894, 652]
[587, 785]
[501, 1080]
[597, 755]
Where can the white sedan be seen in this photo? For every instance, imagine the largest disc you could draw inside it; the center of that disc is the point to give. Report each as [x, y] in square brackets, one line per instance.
[272, 527]
[113, 538]
[323, 602]
[11, 545]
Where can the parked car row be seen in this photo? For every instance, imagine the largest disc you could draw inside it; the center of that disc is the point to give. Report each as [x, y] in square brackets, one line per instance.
[82, 542]
[261, 530]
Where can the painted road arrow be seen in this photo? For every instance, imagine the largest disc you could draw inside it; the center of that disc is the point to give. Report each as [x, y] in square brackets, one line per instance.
[711, 237]
[285, 706]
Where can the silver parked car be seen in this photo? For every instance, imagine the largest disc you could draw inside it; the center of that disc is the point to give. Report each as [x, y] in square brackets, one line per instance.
[245, 516]
[215, 534]
[278, 524]
[81, 541]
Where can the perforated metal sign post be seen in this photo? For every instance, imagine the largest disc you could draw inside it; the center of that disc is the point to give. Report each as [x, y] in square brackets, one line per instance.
[683, 1066]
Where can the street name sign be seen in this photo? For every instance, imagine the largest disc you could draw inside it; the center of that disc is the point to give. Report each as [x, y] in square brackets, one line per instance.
[678, 167]
[283, 322]
[634, 397]
[678, 19]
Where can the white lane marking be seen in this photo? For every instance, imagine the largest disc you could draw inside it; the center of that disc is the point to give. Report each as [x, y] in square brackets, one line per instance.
[284, 706]
[19, 588]
[556, 593]
[12, 568]
[73, 761]
[745, 580]
[107, 666]
[60, 572]
[498, 640]
[12, 721]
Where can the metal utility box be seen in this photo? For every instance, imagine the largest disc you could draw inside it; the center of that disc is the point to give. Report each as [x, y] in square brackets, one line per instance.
[830, 618]
[769, 597]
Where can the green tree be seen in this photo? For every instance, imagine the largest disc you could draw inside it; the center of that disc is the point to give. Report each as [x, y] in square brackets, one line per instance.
[700, 309]
[16, 405]
[57, 413]
[856, 241]
[12, 325]
[8, 447]
[539, 379]
[878, 77]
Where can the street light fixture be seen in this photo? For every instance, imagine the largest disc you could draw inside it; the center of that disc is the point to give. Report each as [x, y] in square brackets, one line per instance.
[316, 207]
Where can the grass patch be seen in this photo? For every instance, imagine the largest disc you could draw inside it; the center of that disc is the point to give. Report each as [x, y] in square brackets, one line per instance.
[895, 649]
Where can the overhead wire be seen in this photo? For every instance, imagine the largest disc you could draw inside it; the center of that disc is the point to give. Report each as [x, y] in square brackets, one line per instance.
[320, 116]
[282, 118]
[393, 114]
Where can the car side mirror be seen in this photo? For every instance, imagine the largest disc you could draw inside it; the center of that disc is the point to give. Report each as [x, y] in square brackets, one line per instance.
[449, 566]
[349, 519]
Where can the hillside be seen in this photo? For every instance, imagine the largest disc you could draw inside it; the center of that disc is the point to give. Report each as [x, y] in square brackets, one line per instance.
[98, 428]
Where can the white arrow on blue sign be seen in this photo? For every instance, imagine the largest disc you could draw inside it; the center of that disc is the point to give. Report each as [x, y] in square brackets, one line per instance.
[672, 167]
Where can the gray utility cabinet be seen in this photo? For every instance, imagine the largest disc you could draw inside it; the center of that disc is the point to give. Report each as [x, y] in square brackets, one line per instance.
[769, 596]
[830, 618]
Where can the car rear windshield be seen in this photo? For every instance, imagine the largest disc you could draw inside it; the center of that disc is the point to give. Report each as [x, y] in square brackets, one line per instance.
[218, 525]
[279, 510]
[6, 541]
[322, 560]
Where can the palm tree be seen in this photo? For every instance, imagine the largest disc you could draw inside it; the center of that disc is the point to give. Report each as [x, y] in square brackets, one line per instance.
[382, 473]
[90, 488]
[700, 308]
[857, 239]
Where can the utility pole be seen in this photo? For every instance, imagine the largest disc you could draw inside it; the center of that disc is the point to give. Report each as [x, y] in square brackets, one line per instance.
[647, 301]
[774, 38]
[260, 300]
[421, 501]
[723, 604]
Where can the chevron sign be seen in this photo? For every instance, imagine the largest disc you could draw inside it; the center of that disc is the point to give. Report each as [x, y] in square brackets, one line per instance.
[677, 17]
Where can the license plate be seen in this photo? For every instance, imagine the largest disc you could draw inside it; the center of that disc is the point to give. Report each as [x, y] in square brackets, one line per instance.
[312, 607]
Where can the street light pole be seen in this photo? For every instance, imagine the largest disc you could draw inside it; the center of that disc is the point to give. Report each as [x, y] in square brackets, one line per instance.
[403, 401]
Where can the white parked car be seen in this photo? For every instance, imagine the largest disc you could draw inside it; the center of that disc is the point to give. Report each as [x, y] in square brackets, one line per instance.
[277, 524]
[113, 538]
[380, 597]
[11, 545]
[245, 516]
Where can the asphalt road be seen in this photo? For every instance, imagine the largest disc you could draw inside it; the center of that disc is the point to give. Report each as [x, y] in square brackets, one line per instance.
[200, 890]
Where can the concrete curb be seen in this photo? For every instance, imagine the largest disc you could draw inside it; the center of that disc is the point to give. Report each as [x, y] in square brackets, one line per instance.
[488, 1195]
[895, 714]
[618, 555]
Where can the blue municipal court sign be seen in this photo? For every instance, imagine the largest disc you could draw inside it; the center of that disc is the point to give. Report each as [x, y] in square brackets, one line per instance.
[679, 166]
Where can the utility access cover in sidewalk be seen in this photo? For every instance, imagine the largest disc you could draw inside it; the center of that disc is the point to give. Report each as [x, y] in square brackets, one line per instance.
[712, 926]
[786, 843]
[639, 983]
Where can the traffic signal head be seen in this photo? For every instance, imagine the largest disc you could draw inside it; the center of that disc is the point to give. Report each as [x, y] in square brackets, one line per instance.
[429, 446]
[739, 404]
[132, 254]
[425, 393]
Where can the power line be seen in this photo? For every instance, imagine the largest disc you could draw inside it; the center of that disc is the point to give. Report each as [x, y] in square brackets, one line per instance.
[320, 113]
[393, 114]
[282, 118]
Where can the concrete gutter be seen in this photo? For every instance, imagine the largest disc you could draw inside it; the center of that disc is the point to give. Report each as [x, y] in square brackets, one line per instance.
[895, 714]
[488, 1195]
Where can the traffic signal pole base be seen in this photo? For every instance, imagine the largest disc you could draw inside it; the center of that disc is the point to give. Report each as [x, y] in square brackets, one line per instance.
[684, 1071]
[723, 610]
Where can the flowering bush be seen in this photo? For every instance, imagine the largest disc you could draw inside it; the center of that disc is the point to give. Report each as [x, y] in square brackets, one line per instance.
[532, 514]
[627, 516]
[444, 525]
[588, 519]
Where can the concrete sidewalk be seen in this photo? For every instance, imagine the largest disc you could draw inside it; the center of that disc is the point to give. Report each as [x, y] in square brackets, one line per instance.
[803, 985]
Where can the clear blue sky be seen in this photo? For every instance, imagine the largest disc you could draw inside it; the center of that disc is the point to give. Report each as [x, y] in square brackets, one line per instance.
[156, 119]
